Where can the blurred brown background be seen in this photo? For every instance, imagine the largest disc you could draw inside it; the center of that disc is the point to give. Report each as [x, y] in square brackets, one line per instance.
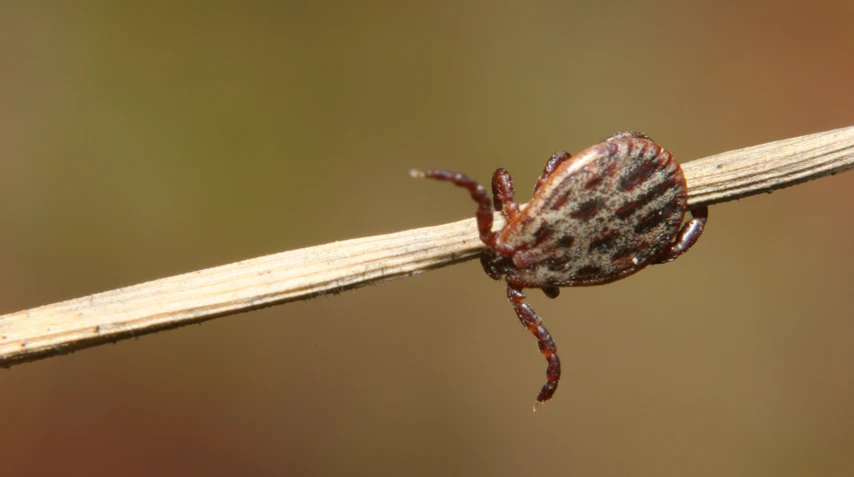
[141, 140]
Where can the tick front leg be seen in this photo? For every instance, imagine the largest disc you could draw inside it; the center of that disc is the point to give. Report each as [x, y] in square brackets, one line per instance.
[557, 159]
[687, 236]
[533, 323]
[477, 193]
[503, 193]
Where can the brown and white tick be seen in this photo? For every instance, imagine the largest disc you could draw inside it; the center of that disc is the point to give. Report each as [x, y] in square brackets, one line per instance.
[594, 218]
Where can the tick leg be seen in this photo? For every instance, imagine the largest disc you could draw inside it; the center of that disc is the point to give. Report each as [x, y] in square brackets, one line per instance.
[477, 193]
[503, 192]
[687, 236]
[534, 324]
[554, 161]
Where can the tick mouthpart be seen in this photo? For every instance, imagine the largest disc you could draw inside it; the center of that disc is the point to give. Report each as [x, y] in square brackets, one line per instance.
[416, 173]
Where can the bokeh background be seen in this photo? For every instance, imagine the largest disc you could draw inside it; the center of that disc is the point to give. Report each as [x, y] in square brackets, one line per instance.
[140, 140]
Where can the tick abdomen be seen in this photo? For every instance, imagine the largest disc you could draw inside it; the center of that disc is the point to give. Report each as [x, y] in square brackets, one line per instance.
[602, 215]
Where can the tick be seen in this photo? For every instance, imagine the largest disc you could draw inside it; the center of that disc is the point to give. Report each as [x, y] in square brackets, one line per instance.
[596, 217]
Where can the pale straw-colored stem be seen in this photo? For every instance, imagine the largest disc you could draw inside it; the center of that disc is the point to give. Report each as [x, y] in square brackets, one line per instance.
[228, 289]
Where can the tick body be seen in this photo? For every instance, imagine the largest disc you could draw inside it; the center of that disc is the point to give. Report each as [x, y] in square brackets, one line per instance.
[596, 217]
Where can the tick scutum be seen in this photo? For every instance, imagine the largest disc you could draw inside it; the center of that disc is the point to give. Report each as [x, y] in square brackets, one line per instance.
[628, 191]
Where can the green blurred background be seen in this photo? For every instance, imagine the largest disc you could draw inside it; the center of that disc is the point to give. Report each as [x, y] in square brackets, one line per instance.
[140, 140]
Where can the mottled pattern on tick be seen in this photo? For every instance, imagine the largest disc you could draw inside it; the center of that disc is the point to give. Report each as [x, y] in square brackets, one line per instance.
[602, 215]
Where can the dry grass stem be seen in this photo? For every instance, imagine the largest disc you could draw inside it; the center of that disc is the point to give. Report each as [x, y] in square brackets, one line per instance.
[204, 294]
